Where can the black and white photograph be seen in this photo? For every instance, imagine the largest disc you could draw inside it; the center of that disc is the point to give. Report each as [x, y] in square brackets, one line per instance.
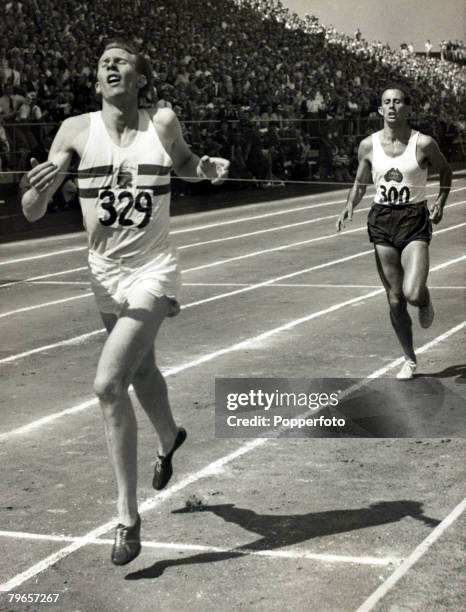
[232, 305]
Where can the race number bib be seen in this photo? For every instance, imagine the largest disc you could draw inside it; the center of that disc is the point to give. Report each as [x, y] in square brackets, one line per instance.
[393, 195]
[125, 208]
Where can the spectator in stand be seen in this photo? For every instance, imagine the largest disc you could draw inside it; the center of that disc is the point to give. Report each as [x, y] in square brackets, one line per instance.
[246, 54]
[26, 138]
[428, 47]
[4, 148]
[341, 164]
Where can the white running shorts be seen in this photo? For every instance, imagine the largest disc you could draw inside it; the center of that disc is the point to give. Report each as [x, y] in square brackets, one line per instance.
[113, 280]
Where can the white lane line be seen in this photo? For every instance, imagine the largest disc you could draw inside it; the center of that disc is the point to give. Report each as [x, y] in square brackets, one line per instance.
[44, 282]
[221, 262]
[408, 563]
[275, 213]
[262, 231]
[252, 341]
[49, 347]
[243, 289]
[44, 276]
[216, 240]
[248, 287]
[292, 245]
[43, 255]
[272, 281]
[213, 469]
[262, 284]
[191, 229]
[83, 337]
[45, 304]
[296, 553]
[307, 285]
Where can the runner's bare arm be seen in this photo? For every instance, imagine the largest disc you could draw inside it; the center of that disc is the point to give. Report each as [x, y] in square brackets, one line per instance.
[187, 164]
[437, 161]
[45, 178]
[363, 178]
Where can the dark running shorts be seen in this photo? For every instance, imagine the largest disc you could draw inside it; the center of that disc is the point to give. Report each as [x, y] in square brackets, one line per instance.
[399, 225]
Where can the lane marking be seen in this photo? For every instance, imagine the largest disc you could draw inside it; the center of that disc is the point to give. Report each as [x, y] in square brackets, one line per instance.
[45, 304]
[43, 276]
[49, 347]
[191, 229]
[408, 563]
[42, 255]
[283, 247]
[247, 343]
[280, 212]
[262, 231]
[82, 337]
[222, 261]
[44, 282]
[296, 553]
[213, 469]
[307, 285]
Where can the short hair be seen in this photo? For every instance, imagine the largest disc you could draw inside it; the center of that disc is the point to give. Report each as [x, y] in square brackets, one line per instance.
[142, 64]
[402, 88]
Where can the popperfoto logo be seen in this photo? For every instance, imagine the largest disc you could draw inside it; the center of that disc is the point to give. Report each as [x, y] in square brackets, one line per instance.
[273, 407]
[329, 408]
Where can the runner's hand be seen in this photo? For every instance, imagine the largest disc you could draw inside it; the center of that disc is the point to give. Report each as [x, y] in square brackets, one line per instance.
[435, 212]
[213, 168]
[347, 213]
[42, 175]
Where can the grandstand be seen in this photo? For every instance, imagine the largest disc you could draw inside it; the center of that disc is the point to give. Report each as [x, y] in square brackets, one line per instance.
[293, 96]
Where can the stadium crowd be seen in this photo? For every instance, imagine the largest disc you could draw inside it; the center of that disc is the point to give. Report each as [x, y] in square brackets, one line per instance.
[283, 97]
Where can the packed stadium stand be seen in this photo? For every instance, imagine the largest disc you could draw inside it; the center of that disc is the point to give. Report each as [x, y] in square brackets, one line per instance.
[285, 98]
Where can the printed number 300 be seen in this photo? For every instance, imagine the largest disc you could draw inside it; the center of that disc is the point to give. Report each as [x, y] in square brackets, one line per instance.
[393, 196]
[142, 204]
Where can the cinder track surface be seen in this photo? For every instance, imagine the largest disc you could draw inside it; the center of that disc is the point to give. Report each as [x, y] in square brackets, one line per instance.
[322, 525]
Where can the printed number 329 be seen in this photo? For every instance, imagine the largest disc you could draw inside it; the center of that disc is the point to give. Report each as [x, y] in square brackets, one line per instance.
[122, 209]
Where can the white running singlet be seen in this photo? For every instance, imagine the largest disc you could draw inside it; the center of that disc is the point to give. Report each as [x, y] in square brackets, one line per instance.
[400, 179]
[125, 192]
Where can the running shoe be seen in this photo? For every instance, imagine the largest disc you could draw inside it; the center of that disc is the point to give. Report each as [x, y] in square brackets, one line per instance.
[426, 314]
[407, 371]
[127, 544]
[163, 469]
[174, 308]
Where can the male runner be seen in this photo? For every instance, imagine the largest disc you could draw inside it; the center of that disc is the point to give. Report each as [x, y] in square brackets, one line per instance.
[400, 221]
[124, 188]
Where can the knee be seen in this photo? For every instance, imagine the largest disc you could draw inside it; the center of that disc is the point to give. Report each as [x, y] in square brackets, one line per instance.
[108, 389]
[413, 295]
[397, 303]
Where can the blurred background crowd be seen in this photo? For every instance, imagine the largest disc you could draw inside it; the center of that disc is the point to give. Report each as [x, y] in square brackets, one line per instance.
[283, 97]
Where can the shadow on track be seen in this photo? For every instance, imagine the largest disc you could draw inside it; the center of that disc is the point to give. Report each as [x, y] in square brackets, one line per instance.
[277, 531]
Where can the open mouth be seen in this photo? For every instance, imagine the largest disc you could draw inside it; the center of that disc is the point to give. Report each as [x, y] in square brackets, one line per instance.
[113, 79]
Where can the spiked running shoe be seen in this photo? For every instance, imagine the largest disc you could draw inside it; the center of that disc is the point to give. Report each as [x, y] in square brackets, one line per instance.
[426, 314]
[407, 370]
[127, 544]
[163, 469]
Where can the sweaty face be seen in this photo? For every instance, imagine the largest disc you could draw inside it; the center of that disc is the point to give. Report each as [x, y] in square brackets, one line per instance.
[117, 74]
[393, 106]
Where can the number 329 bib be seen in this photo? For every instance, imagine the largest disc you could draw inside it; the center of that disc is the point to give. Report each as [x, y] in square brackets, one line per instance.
[125, 208]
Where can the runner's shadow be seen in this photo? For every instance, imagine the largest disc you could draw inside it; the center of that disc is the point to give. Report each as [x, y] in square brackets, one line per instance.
[277, 531]
[457, 371]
